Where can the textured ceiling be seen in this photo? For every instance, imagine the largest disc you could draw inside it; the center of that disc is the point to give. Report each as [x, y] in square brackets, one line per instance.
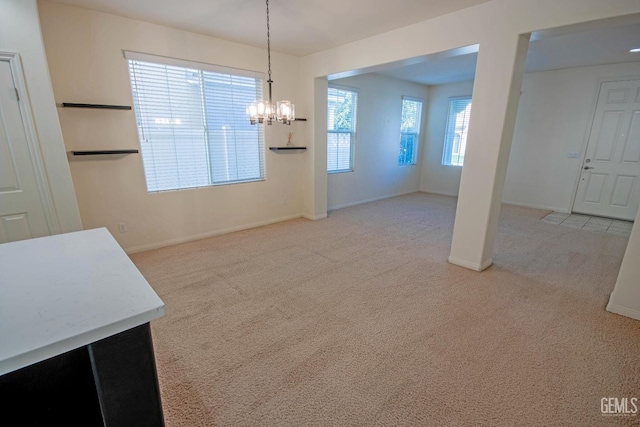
[301, 27]
[298, 27]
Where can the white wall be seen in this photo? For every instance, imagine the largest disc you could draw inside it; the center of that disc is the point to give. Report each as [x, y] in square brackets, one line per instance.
[436, 178]
[84, 50]
[625, 298]
[554, 116]
[20, 32]
[376, 171]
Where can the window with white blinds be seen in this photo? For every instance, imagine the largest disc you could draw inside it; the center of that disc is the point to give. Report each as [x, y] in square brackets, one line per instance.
[341, 129]
[455, 138]
[192, 124]
[409, 130]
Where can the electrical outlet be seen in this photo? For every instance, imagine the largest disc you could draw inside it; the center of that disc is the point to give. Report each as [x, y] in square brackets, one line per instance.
[284, 201]
[122, 227]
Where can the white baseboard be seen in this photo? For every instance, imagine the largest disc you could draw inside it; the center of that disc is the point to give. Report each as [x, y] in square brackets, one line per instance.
[506, 202]
[471, 265]
[534, 206]
[314, 217]
[200, 236]
[624, 311]
[440, 193]
[375, 199]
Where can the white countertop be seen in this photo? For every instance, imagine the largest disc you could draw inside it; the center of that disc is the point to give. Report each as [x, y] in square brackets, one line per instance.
[62, 292]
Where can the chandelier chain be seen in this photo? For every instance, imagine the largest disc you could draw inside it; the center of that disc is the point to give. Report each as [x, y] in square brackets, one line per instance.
[268, 41]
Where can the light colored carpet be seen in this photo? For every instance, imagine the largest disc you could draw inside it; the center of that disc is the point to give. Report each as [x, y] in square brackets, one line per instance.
[358, 320]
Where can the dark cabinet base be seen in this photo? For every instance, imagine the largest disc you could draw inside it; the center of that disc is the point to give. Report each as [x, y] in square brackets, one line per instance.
[111, 382]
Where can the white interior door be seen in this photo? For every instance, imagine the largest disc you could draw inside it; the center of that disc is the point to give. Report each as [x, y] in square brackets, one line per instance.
[609, 185]
[22, 214]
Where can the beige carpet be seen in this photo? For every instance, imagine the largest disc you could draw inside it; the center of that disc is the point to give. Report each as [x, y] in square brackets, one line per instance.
[358, 320]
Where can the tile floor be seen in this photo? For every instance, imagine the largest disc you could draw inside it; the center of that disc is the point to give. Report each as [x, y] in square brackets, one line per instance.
[590, 223]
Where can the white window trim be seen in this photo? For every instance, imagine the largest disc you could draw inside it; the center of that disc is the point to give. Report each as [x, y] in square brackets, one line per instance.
[353, 134]
[166, 60]
[418, 134]
[201, 66]
[342, 87]
[413, 98]
[451, 98]
[353, 153]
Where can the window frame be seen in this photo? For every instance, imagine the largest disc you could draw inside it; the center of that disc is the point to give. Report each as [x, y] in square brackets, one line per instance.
[447, 146]
[213, 101]
[352, 133]
[416, 134]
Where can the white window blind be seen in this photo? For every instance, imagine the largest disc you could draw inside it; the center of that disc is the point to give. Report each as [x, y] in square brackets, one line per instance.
[341, 124]
[455, 138]
[193, 126]
[409, 130]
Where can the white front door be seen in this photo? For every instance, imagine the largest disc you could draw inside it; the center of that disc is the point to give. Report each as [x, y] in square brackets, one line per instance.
[610, 181]
[22, 214]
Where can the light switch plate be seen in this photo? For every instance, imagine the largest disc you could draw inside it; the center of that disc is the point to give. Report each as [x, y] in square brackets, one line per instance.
[573, 155]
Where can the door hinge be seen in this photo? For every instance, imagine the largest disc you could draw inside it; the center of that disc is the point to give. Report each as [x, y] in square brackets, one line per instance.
[17, 94]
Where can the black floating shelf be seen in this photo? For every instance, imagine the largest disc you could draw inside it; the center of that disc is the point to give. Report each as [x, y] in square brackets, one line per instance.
[286, 148]
[98, 106]
[300, 120]
[103, 152]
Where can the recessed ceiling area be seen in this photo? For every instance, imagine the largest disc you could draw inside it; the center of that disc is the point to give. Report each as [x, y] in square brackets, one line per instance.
[604, 45]
[299, 27]
[437, 71]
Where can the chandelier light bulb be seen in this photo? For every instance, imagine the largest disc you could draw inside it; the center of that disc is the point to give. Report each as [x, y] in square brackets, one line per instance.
[262, 107]
[285, 112]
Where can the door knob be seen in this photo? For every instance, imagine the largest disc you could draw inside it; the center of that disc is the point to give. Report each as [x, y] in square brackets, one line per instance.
[588, 167]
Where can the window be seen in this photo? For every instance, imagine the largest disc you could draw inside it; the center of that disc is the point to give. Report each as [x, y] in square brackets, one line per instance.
[341, 124]
[409, 130]
[455, 137]
[192, 123]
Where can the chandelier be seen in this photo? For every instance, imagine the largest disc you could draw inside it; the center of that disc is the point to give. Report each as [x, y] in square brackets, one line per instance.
[264, 110]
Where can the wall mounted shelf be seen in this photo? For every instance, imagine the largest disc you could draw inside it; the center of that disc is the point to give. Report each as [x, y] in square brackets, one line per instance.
[300, 120]
[97, 106]
[286, 148]
[103, 152]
